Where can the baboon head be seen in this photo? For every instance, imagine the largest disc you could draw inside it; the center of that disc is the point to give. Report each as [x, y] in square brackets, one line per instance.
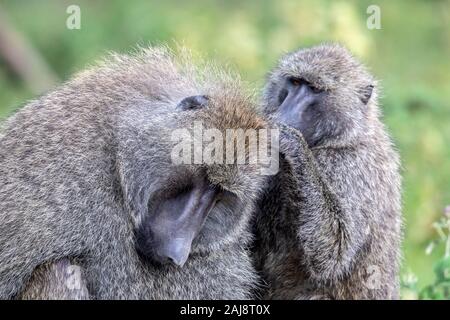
[187, 208]
[323, 92]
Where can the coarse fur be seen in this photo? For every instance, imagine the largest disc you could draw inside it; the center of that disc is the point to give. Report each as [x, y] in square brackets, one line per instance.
[79, 166]
[329, 224]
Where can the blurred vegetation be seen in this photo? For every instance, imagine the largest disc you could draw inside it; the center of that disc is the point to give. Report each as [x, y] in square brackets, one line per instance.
[410, 55]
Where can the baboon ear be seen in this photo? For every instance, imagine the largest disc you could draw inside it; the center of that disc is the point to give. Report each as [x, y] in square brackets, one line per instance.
[365, 93]
[134, 168]
[193, 102]
[135, 182]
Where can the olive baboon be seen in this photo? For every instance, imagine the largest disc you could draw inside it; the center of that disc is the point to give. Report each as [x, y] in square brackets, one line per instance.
[86, 175]
[329, 224]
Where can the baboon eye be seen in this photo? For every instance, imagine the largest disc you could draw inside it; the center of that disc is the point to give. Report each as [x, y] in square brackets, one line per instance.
[296, 81]
[299, 82]
[223, 195]
[315, 89]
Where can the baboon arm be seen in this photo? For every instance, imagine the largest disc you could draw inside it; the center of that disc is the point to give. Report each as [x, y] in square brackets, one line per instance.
[22, 252]
[15, 269]
[58, 280]
[331, 227]
[17, 263]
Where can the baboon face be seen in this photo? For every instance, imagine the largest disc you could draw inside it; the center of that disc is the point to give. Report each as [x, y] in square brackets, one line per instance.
[191, 207]
[177, 213]
[300, 105]
[322, 91]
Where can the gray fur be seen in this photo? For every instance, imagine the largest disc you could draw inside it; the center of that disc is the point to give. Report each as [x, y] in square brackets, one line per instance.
[78, 165]
[329, 224]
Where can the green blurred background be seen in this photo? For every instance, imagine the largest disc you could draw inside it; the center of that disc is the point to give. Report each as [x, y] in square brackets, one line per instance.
[409, 54]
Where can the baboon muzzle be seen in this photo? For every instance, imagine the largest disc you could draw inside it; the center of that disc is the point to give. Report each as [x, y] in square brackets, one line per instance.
[167, 234]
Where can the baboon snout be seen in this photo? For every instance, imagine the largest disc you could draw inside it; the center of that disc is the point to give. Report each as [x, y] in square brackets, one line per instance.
[176, 252]
[166, 235]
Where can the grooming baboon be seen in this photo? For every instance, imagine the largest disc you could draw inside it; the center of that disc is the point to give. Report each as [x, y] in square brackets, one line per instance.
[329, 224]
[86, 175]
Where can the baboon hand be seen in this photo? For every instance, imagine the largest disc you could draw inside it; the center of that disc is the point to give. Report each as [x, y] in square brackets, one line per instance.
[291, 140]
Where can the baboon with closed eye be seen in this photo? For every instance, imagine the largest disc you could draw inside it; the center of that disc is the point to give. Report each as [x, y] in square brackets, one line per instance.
[86, 176]
[329, 223]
